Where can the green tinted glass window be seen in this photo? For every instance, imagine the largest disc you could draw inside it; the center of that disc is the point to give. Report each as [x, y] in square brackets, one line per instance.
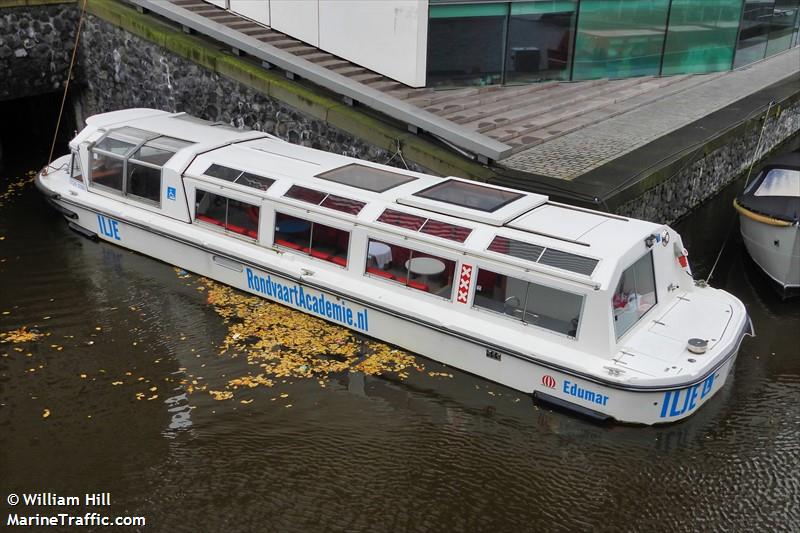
[701, 36]
[619, 38]
[752, 44]
[781, 27]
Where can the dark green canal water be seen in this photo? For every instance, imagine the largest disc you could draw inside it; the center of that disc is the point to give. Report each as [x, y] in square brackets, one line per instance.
[362, 454]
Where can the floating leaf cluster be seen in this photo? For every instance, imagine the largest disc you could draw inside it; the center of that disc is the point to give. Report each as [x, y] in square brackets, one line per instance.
[284, 343]
[20, 335]
[15, 187]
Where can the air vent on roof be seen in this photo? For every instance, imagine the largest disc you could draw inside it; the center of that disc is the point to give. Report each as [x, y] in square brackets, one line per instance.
[544, 256]
[568, 261]
[331, 201]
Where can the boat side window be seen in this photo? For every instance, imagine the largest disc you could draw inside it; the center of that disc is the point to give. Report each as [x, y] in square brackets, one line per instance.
[635, 294]
[535, 304]
[412, 268]
[75, 171]
[312, 238]
[108, 160]
[233, 215]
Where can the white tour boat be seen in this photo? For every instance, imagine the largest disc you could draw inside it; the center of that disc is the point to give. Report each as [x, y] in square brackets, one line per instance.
[589, 311]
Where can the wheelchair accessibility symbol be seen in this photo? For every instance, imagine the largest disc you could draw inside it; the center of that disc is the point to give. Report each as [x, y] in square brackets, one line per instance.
[171, 193]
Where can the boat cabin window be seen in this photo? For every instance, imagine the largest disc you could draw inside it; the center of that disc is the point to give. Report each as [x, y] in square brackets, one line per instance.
[131, 164]
[75, 171]
[532, 303]
[108, 162]
[780, 182]
[635, 294]
[232, 215]
[366, 178]
[248, 179]
[469, 195]
[412, 268]
[312, 238]
[436, 228]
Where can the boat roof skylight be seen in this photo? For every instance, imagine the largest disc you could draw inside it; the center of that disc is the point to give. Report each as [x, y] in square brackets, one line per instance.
[148, 146]
[544, 256]
[469, 195]
[436, 228]
[239, 177]
[366, 178]
[323, 199]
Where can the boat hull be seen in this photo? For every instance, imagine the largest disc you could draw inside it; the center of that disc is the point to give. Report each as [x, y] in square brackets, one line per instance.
[582, 394]
[774, 248]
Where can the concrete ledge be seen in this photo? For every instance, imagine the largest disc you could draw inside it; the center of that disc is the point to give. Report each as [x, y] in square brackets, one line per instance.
[307, 100]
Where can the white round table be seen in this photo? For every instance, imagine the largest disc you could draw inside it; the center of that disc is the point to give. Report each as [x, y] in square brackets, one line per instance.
[425, 266]
[381, 253]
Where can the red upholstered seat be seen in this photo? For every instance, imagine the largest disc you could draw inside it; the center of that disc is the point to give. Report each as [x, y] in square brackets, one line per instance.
[320, 255]
[378, 272]
[253, 234]
[209, 220]
[341, 261]
[287, 244]
[419, 286]
[236, 229]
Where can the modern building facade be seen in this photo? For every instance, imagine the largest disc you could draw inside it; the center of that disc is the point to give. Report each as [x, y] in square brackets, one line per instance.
[452, 43]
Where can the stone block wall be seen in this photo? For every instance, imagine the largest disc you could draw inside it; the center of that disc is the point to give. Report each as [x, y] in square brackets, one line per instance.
[699, 178]
[120, 70]
[36, 44]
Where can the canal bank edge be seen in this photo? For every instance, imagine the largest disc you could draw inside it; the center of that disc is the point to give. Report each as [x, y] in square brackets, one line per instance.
[313, 103]
[644, 183]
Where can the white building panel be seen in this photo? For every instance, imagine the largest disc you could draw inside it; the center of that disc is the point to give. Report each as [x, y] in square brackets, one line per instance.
[387, 36]
[257, 10]
[298, 18]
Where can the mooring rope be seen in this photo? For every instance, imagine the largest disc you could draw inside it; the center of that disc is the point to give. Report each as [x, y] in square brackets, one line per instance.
[66, 86]
[747, 180]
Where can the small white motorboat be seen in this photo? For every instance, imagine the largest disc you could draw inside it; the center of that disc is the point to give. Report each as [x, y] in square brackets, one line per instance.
[769, 216]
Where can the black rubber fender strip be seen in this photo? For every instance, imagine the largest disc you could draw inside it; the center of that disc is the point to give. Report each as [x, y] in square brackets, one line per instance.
[92, 236]
[572, 407]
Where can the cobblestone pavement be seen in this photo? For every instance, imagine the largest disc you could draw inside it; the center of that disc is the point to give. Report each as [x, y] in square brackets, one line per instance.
[576, 153]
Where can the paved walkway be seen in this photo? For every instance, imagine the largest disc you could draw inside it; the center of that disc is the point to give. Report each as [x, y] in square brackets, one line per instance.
[576, 153]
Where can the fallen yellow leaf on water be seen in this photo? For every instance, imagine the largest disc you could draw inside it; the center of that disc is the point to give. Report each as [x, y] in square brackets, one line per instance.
[288, 405]
[83, 376]
[22, 334]
[45, 413]
[221, 395]
[116, 383]
[139, 395]
[284, 395]
[246, 401]
[153, 389]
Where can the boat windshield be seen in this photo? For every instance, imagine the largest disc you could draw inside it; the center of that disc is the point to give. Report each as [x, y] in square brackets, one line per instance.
[635, 294]
[780, 182]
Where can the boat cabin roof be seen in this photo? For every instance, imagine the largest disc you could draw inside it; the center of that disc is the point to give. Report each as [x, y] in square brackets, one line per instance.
[507, 224]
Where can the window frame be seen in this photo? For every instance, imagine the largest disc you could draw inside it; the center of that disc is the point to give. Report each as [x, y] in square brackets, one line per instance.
[224, 228]
[408, 243]
[76, 158]
[136, 196]
[618, 338]
[279, 209]
[524, 302]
